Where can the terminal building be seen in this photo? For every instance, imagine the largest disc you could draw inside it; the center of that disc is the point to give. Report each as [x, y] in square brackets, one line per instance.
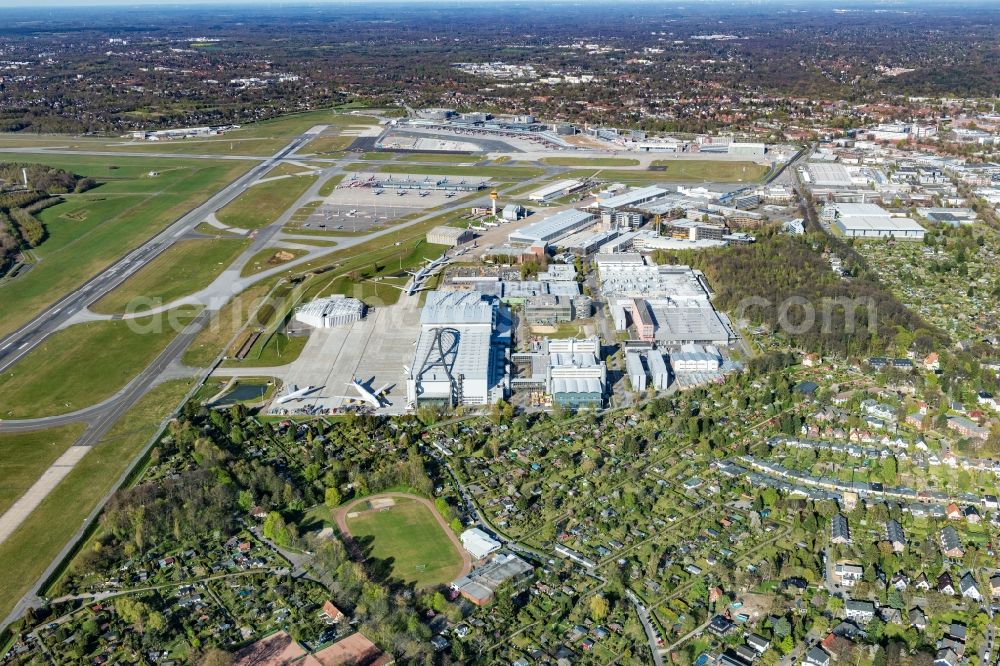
[330, 312]
[461, 352]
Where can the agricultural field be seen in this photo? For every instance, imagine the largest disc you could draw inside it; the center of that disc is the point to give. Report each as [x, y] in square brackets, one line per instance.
[262, 204]
[28, 551]
[80, 366]
[191, 265]
[24, 456]
[89, 231]
[408, 538]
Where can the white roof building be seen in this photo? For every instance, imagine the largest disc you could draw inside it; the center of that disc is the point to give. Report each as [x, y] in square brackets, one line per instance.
[555, 190]
[331, 311]
[459, 357]
[865, 220]
[677, 297]
[552, 228]
[632, 198]
[479, 543]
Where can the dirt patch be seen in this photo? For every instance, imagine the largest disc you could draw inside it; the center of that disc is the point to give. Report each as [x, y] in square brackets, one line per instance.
[381, 503]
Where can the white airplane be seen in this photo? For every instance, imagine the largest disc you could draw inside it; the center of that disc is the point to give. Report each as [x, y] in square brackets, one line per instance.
[400, 193]
[378, 192]
[295, 393]
[449, 195]
[424, 193]
[374, 398]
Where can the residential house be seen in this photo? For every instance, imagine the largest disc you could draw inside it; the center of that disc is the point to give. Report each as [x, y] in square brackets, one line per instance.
[970, 590]
[758, 643]
[946, 657]
[967, 427]
[953, 512]
[895, 535]
[848, 574]
[817, 657]
[918, 618]
[945, 584]
[840, 531]
[900, 581]
[951, 544]
[995, 585]
[859, 611]
[836, 646]
[330, 613]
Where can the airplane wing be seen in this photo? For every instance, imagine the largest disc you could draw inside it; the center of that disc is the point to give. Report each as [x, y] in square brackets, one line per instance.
[382, 390]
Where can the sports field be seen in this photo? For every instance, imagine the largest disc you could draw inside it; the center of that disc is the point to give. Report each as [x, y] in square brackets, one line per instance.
[89, 231]
[185, 268]
[409, 534]
[80, 366]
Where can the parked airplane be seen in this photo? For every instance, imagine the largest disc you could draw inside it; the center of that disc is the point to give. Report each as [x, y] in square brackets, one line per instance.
[374, 398]
[295, 393]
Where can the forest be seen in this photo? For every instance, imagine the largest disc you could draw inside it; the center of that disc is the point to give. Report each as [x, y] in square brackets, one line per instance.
[20, 230]
[786, 284]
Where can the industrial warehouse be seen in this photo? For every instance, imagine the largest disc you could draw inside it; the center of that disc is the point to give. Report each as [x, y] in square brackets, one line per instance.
[461, 352]
[331, 311]
[668, 305]
[866, 220]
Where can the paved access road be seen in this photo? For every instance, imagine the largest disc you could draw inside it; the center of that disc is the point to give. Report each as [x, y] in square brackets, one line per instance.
[22, 341]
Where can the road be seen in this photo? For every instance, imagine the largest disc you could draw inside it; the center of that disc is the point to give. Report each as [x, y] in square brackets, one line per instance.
[647, 626]
[100, 418]
[26, 338]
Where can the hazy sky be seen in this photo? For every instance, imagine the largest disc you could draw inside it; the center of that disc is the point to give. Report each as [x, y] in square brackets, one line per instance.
[21, 4]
